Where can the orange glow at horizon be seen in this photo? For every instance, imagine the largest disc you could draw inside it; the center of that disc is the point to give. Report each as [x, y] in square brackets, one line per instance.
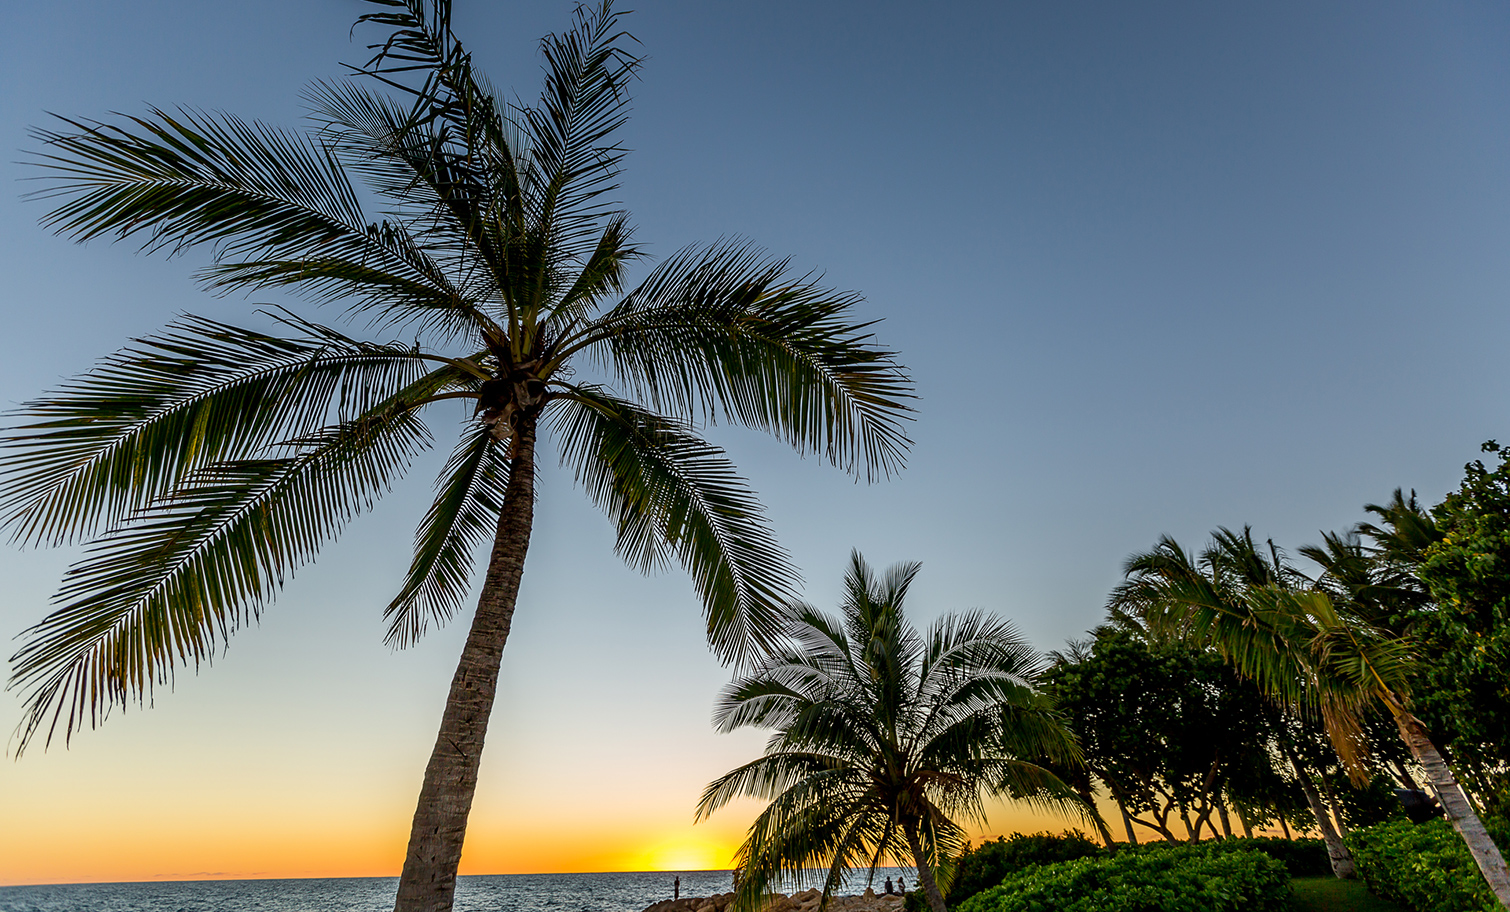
[134, 847]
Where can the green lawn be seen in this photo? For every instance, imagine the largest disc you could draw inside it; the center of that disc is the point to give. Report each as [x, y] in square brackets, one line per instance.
[1328, 894]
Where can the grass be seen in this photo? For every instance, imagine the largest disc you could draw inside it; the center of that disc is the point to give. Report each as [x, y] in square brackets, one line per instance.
[1328, 894]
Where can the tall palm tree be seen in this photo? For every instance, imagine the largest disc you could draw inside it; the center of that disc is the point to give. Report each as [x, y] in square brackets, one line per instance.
[209, 461]
[884, 738]
[1161, 582]
[1311, 648]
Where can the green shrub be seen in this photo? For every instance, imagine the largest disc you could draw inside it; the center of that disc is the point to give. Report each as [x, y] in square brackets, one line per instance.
[1424, 867]
[985, 867]
[1177, 879]
[1301, 857]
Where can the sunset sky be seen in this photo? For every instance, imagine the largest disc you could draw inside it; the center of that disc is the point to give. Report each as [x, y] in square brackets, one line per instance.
[1155, 267]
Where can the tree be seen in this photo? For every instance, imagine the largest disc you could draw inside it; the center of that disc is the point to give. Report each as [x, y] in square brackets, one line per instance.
[208, 461]
[884, 738]
[1168, 730]
[1306, 650]
[1465, 633]
[1166, 584]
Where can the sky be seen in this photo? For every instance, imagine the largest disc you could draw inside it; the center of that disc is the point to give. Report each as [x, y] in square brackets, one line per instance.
[1155, 268]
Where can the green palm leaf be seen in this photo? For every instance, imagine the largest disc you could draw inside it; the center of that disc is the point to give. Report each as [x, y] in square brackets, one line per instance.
[469, 495]
[723, 331]
[186, 572]
[673, 495]
[126, 434]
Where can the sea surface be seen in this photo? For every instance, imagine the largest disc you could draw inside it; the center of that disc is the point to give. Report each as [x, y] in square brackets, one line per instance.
[619, 892]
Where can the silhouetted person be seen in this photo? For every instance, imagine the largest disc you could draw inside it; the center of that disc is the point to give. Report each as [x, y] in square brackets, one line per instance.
[888, 886]
[901, 886]
[676, 888]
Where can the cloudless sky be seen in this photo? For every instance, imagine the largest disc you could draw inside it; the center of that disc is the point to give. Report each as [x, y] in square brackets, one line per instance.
[1155, 267]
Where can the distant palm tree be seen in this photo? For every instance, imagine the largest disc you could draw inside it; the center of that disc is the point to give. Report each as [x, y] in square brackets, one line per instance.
[209, 461]
[884, 738]
[1308, 648]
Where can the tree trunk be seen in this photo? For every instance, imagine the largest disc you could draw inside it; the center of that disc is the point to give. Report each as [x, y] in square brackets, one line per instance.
[925, 870]
[1459, 812]
[1089, 798]
[428, 882]
[1242, 819]
[1221, 813]
[1342, 860]
[1284, 827]
[1127, 822]
[1335, 805]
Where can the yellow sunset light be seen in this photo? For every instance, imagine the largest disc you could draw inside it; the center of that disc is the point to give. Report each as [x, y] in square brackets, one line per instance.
[687, 856]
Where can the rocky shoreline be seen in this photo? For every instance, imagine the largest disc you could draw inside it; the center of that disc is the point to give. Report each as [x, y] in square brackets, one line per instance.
[805, 901]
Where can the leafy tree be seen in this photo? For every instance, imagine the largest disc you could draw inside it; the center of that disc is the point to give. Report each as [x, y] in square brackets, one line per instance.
[884, 738]
[1305, 650]
[1167, 730]
[1466, 680]
[209, 461]
[1164, 583]
[1442, 578]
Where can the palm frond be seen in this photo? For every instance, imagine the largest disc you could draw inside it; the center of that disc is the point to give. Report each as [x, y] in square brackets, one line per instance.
[723, 332]
[168, 586]
[469, 496]
[192, 178]
[584, 102]
[126, 434]
[673, 495]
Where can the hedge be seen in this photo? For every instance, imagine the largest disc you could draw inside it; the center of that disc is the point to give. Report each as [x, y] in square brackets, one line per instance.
[1177, 879]
[1424, 867]
[985, 867]
[1301, 857]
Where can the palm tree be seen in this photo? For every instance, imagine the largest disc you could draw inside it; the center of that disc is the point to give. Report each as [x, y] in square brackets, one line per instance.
[209, 461]
[1161, 582]
[1311, 648]
[884, 738]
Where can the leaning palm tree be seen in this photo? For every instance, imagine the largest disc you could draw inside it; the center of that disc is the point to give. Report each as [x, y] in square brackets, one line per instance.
[209, 461]
[1312, 649]
[1161, 586]
[885, 738]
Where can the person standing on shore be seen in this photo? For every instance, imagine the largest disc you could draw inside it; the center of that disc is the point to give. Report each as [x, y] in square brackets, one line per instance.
[676, 888]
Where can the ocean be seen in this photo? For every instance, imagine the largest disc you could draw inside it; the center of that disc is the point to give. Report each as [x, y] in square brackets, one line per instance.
[619, 892]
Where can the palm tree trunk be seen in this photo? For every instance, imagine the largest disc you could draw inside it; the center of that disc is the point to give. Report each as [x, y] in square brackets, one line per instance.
[925, 870]
[1459, 812]
[1089, 798]
[428, 882]
[1132, 836]
[1342, 860]
[1334, 805]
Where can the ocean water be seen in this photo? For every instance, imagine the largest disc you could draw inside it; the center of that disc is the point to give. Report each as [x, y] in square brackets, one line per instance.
[619, 892]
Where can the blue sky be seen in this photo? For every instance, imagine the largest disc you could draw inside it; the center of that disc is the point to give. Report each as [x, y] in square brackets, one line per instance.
[1155, 268]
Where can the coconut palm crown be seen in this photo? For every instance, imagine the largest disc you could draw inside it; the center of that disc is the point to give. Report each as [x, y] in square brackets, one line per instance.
[205, 463]
[885, 738]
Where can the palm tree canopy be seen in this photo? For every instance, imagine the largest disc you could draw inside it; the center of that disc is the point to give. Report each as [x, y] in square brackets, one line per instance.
[1305, 643]
[205, 463]
[878, 727]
